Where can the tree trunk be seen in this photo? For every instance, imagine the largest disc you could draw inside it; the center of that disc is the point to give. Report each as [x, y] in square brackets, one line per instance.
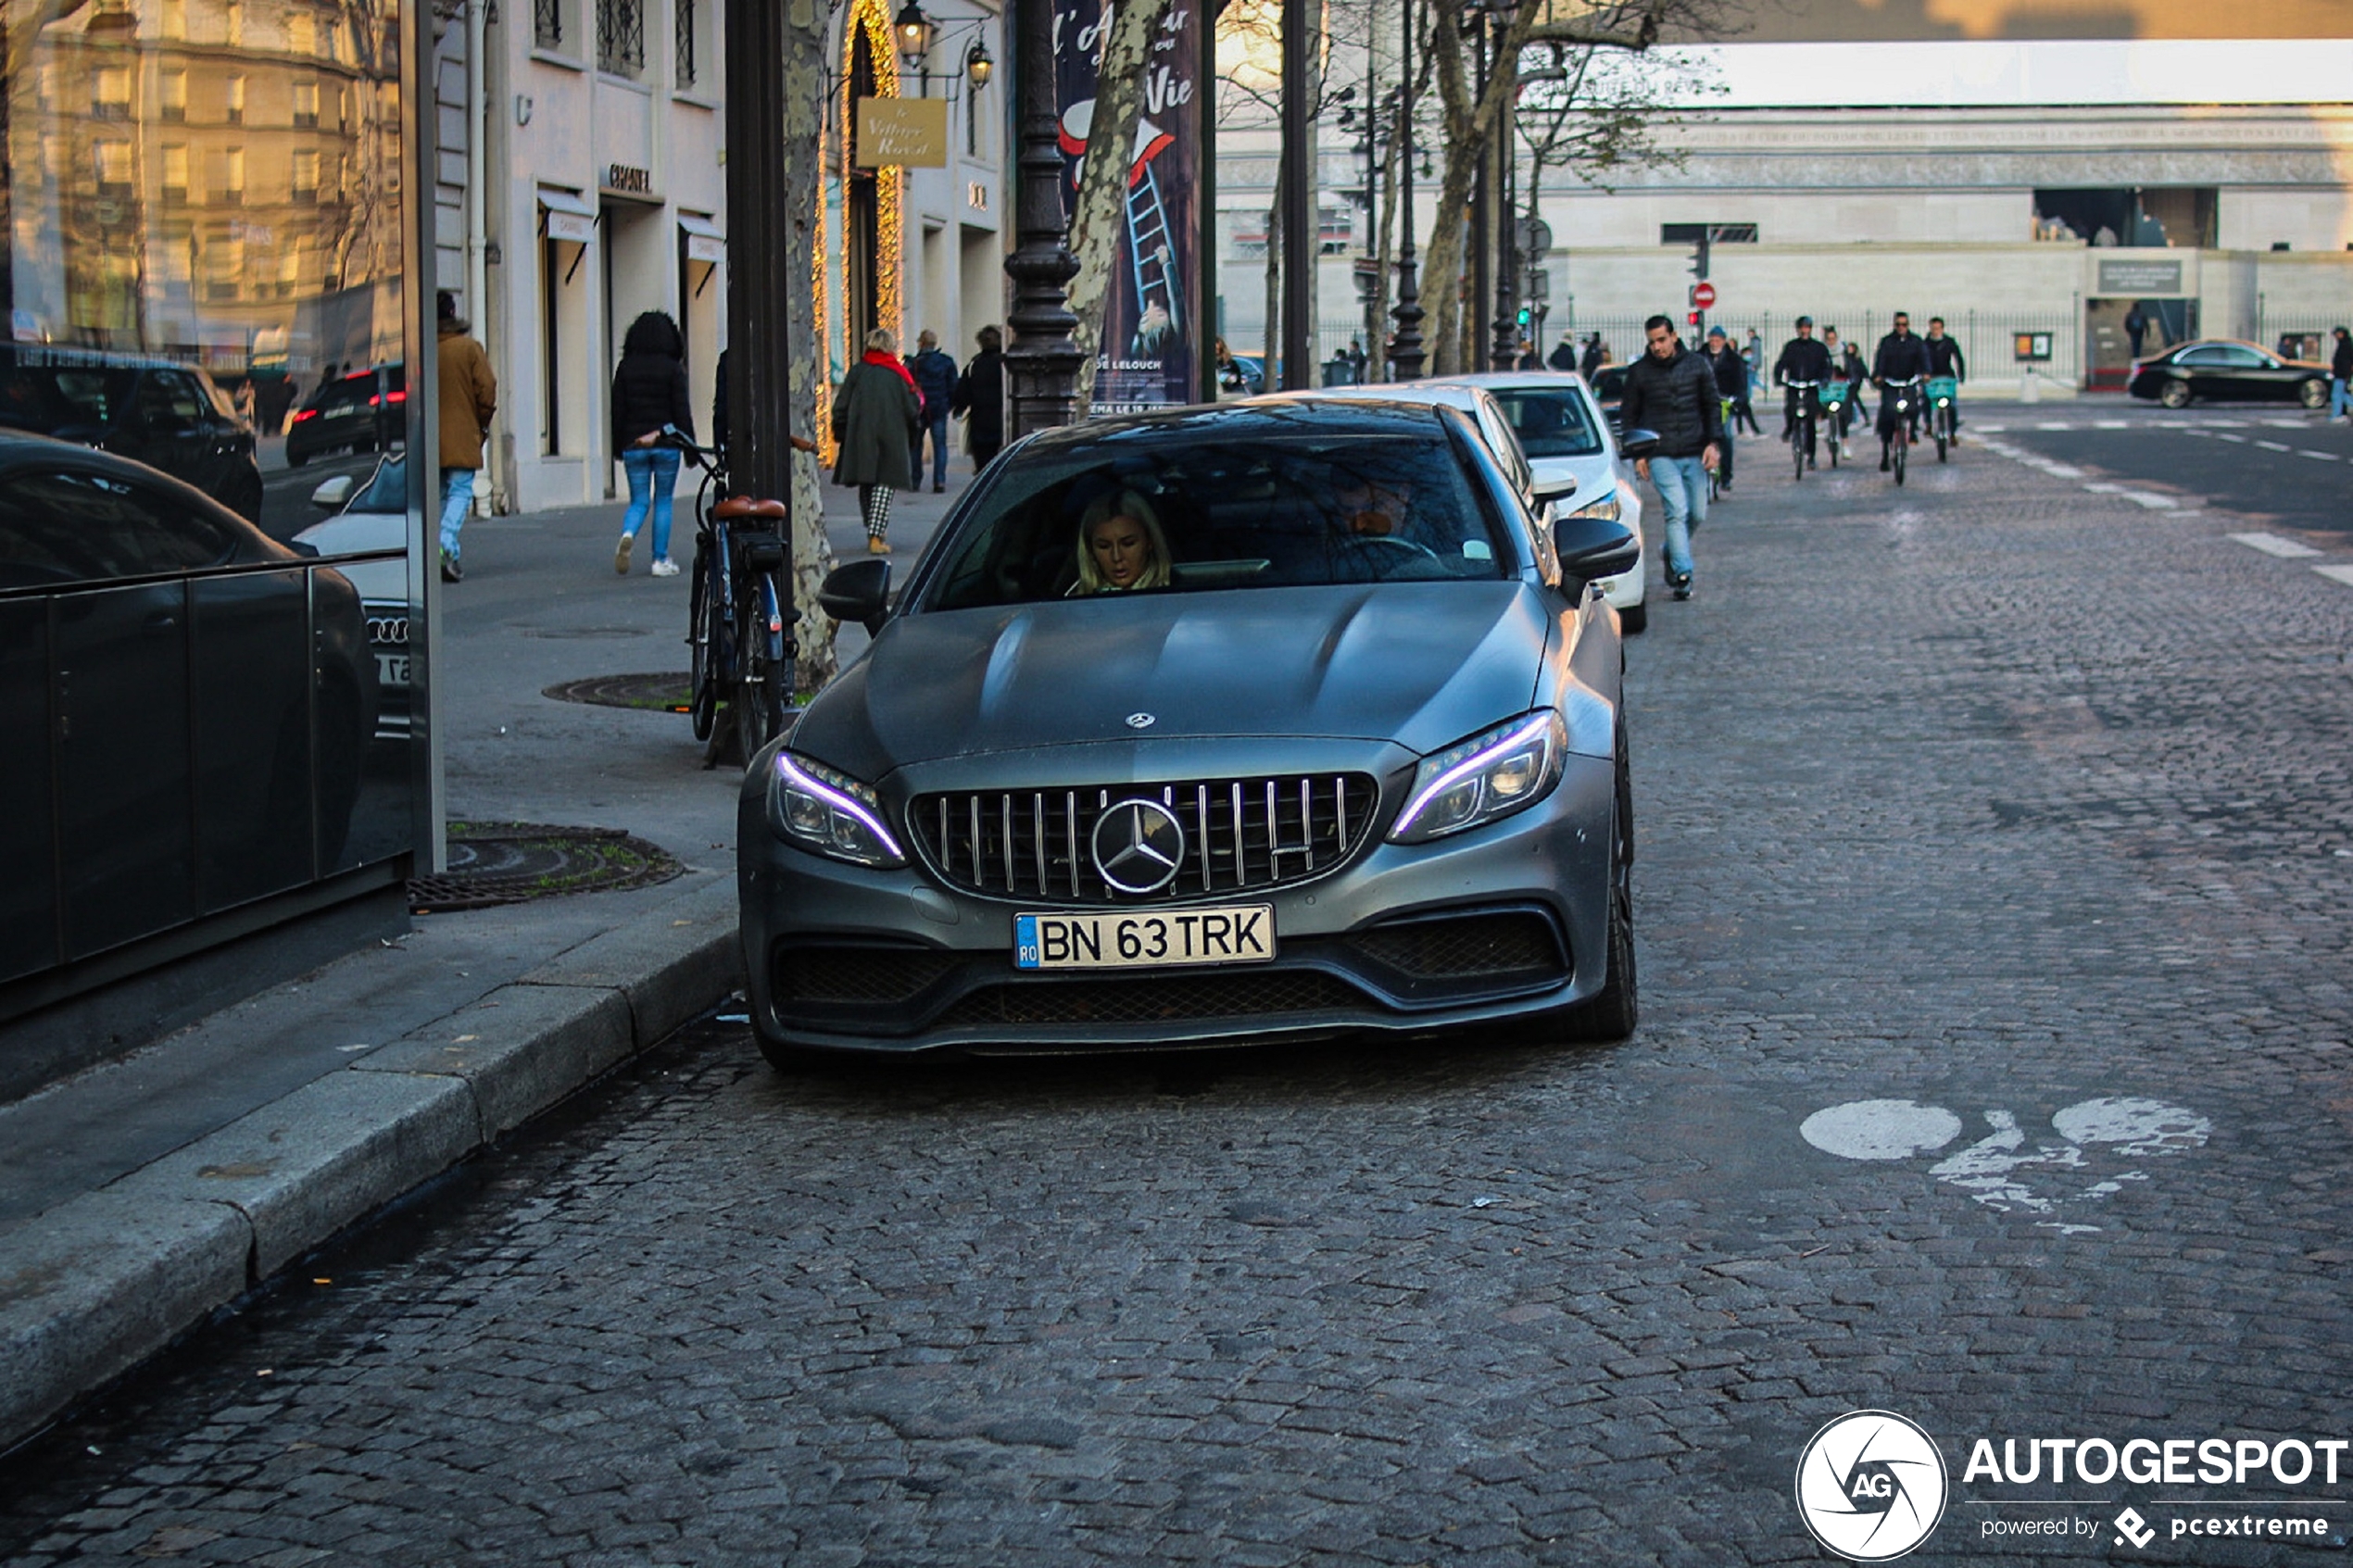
[1446, 257]
[1101, 217]
[1272, 349]
[812, 556]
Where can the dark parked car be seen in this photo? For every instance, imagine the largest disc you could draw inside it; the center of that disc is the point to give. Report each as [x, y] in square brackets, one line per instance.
[2221, 370]
[172, 417]
[361, 412]
[1609, 391]
[372, 519]
[183, 736]
[1346, 757]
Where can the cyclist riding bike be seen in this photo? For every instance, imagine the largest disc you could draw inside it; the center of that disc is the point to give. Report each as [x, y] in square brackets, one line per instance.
[1803, 359]
[1944, 362]
[1724, 362]
[1902, 358]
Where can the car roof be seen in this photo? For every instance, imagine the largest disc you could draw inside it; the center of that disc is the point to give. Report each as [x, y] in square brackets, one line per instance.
[1274, 414]
[1447, 394]
[1504, 380]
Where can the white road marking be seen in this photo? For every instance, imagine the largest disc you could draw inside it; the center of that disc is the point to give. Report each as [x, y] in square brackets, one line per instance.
[2055, 424]
[1880, 1129]
[2272, 544]
[1993, 429]
[2285, 425]
[2226, 424]
[2272, 445]
[2337, 573]
[2240, 439]
[2193, 430]
[1999, 1170]
[2061, 471]
[2308, 452]
[2111, 424]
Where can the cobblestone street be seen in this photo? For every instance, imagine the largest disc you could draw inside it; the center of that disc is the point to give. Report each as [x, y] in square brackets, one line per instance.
[2022, 807]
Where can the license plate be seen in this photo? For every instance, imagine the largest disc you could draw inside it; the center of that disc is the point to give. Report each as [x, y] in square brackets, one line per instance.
[391, 669]
[1126, 939]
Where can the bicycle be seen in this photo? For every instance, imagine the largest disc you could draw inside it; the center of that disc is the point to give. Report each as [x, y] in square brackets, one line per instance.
[1801, 426]
[738, 640]
[1943, 393]
[1834, 395]
[1719, 476]
[1904, 413]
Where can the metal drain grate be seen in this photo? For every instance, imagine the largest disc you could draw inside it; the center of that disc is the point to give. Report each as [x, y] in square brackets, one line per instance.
[493, 863]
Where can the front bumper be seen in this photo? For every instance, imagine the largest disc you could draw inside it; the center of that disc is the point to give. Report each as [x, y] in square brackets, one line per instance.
[1497, 923]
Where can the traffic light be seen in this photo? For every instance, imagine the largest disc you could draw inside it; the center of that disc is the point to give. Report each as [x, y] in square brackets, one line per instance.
[1523, 315]
[1699, 257]
[1695, 317]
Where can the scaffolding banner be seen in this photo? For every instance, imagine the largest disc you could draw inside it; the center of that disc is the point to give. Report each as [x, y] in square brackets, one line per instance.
[1152, 314]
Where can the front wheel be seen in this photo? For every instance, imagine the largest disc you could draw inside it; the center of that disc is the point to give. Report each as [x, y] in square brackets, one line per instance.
[1611, 1014]
[702, 638]
[1900, 446]
[2315, 393]
[1797, 453]
[2174, 394]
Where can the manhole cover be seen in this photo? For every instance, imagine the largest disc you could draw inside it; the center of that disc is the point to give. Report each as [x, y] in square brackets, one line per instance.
[511, 863]
[653, 694]
[565, 633]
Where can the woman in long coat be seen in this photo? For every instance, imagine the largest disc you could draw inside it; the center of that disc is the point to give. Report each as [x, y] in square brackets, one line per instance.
[874, 414]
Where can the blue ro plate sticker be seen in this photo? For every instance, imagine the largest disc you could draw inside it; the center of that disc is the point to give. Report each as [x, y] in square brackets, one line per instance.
[1233, 934]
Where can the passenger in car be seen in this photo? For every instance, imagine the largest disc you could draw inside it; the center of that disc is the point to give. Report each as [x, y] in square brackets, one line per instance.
[1376, 508]
[1120, 547]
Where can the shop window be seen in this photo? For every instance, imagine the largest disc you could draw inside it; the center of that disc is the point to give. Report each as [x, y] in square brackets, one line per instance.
[685, 22]
[621, 37]
[547, 23]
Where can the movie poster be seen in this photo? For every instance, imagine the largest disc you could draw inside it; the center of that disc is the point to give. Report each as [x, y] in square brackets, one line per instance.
[1152, 317]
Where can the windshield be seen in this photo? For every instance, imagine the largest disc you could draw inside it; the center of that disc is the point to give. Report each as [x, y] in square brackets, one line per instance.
[1551, 422]
[1254, 512]
[387, 489]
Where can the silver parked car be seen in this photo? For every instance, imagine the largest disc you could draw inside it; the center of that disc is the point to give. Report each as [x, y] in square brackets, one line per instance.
[1281, 718]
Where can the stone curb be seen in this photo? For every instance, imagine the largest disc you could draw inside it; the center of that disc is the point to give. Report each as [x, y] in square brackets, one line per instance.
[97, 1285]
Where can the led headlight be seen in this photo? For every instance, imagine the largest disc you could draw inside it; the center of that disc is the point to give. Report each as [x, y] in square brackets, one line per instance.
[829, 813]
[1490, 775]
[1605, 507]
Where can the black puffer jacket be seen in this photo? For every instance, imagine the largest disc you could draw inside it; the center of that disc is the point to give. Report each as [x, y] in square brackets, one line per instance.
[2341, 364]
[1802, 358]
[649, 388]
[1677, 399]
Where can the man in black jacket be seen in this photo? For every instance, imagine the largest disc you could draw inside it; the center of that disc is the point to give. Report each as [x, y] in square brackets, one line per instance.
[1671, 393]
[980, 397]
[1730, 370]
[1804, 359]
[1901, 356]
[1944, 359]
[935, 376]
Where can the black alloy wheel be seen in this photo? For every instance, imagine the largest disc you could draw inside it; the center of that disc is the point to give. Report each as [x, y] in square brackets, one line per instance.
[2174, 394]
[2313, 394]
[1612, 1012]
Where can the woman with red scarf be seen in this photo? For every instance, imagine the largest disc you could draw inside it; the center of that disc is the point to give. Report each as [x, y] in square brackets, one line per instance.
[875, 414]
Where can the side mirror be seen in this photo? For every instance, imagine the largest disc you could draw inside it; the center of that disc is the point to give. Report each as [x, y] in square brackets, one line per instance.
[1591, 547]
[1559, 489]
[1638, 444]
[332, 495]
[858, 592]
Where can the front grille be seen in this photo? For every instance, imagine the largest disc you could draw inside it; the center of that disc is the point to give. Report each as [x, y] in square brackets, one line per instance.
[1465, 947]
[1243, 835]
[859, 974]
[1167, 1000]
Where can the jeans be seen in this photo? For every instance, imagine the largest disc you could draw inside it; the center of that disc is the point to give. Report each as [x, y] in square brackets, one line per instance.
[2340, 398]
[938, 430]
[457, 500]
[1682, 493]
[652, 471]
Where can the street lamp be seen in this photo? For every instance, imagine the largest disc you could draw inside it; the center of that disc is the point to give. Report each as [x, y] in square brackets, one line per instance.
[916, 32]
[1406, 349]
[978, 65]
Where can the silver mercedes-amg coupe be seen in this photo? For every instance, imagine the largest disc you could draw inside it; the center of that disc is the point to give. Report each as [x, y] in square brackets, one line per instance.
[1274, 720]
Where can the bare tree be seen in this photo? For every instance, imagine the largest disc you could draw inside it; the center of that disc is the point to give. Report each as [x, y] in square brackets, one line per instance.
[1626, 112]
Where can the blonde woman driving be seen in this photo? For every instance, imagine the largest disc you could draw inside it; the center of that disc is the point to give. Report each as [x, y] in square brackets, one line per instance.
[1120, 547]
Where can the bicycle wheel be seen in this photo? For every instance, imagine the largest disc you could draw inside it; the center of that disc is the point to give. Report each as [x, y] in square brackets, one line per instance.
[702, 629]
[1798, 450]
[1901, 446]
[1829, 436]
[758, 699]
[1944, 432]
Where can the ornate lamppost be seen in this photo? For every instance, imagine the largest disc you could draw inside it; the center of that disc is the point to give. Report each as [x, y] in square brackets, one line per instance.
[1406, 349]
[1042, 363]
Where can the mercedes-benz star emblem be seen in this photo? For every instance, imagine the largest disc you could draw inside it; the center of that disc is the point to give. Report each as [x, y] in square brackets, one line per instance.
[1142, 721]
[1139, 845]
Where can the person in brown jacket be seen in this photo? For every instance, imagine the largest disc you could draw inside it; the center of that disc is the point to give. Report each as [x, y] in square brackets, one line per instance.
[469, 397]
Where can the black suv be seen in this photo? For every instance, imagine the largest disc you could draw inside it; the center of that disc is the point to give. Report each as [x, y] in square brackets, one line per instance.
[361, 412]
[170, 417]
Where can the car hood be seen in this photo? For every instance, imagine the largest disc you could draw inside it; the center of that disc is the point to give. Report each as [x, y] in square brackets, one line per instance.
[1422, 664]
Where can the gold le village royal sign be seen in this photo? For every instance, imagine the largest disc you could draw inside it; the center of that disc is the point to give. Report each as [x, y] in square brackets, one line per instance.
[911, 132]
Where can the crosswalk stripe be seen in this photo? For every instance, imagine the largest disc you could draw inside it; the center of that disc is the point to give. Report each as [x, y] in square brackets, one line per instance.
[2272, 445]
[2272, 544]
[2337, 573]
[2308, 452]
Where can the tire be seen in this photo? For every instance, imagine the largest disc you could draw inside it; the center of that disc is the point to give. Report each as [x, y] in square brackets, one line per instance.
[1940, 443]
[1612, 1012]
[758, 711]
[2312, 394]
[1634, 621]
[1901, 446]
[295, 460]
[1797, 454]
[2174, 394]
[702, 700]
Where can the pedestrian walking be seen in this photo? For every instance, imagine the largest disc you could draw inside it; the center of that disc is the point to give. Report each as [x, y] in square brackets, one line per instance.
[1724, 362]
[1564, 354]
[2341, 376]
[875, 412]
[1594, 358]
[1671, 392]
[469, 398]
[650, 392]
[2136, 327]
[980, 398]
[934, 374]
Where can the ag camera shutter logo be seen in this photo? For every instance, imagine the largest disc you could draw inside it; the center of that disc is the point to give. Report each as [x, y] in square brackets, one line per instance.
[1871, 1486]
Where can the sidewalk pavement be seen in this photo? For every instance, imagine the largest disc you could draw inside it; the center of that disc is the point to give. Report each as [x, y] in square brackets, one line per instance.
[138, 1197]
